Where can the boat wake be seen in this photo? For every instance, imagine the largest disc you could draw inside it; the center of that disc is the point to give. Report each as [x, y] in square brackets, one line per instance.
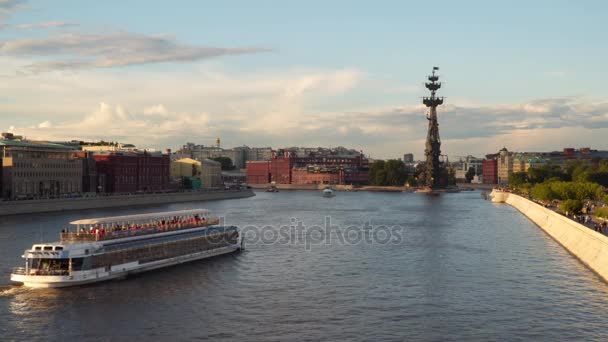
[12, 290]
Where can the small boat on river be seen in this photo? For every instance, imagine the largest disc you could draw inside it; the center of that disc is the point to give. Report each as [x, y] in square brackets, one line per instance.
[272, 188]
[328, 192]
[99, 249]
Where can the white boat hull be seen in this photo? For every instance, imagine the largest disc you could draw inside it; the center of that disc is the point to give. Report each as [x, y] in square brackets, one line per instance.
[116, 272]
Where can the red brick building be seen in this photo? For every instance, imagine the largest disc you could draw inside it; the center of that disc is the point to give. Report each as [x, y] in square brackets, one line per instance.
[304, 176]
[490, 171]
[258, 172]
[121, 172]
[284, 168]
[280, 170]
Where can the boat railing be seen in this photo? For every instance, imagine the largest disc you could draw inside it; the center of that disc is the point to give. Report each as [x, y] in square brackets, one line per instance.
[19, 270]
[87, 236]
[24, 271]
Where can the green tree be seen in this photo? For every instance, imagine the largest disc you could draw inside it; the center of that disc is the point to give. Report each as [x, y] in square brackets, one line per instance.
[377, 174]
[226, 163]
[576, 190]
[411, 181]
[599, 177]
[545, 172]
[571, 206]
[469, 175]
[602, 212]
[395, 172]
[518, 179]
[581, 172]
[573, 167]
[390, 172]
[543, 192]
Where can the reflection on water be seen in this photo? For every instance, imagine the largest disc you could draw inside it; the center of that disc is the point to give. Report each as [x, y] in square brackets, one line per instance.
[465, 269]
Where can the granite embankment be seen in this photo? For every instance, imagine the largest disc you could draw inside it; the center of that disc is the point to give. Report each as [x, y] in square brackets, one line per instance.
[64, 204]
[589, 246]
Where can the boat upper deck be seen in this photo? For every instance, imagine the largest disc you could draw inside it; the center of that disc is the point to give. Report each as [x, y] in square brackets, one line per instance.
[108, 228]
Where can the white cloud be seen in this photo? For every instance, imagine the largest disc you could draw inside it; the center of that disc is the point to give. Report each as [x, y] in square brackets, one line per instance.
[82, 51]
[45, 24]
[278, 107]
[114, 122]
[45, 124]
[159, 110]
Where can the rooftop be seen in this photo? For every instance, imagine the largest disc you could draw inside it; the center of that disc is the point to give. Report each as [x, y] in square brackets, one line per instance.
[142, 217]
[40, 144]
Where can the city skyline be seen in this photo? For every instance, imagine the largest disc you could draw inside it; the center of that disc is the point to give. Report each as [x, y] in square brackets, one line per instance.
[305, 75]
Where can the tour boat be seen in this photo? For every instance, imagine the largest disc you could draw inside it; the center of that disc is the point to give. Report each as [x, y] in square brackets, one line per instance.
[99, 249]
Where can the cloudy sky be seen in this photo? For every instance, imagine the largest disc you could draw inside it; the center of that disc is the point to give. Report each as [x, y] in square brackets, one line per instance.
[528, 75]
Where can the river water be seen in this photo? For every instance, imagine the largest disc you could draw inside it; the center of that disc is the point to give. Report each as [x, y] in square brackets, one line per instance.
[359, 266]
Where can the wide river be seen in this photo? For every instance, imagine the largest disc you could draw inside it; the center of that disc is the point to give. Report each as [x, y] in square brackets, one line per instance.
[359, 266]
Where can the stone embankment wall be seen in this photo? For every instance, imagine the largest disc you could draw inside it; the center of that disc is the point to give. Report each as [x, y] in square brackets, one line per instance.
[589, 246]
[39, 206]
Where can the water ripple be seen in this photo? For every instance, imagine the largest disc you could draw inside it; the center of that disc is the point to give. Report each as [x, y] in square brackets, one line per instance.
[466, 269]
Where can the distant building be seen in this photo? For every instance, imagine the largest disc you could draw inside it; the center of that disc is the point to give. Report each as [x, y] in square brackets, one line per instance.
[122, 172]
[258, 172]
[32, 169]
[234, 177]
[258, 153]
[238, 155]
[90, 178]
[211, 175]
[519, 162]
[508, 162]
[490, 171]
[320, 166]
[505, 166]
[206, 173]
[535, 162]
[106, 146]
[462, 167]
[408, 158]
[310, 176]
[280, 169]
[584, 153]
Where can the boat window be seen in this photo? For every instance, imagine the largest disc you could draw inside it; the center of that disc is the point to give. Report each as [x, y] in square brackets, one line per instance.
[77, 264]
[58, 248]
[48, 266]
[48, 248]
[37, 248]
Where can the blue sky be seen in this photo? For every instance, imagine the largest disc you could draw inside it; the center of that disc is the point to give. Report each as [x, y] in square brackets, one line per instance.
[526, 74]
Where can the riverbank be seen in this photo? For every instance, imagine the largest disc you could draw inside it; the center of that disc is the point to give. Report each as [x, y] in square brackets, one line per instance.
[475, 186]
[65, 204]
[373, 188]
[335, 187]
[587, 245]
[302, 186]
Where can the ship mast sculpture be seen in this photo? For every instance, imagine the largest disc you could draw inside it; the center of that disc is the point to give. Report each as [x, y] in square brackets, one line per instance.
[433, 171]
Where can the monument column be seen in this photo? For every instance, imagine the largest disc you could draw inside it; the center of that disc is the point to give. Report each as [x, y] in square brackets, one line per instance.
[432, 151]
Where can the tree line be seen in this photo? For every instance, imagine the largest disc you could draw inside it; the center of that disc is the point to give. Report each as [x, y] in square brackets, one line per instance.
[578, 181]
[393, 172]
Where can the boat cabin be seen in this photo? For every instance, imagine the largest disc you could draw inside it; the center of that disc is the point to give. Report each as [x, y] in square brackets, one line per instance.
[108, 228]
